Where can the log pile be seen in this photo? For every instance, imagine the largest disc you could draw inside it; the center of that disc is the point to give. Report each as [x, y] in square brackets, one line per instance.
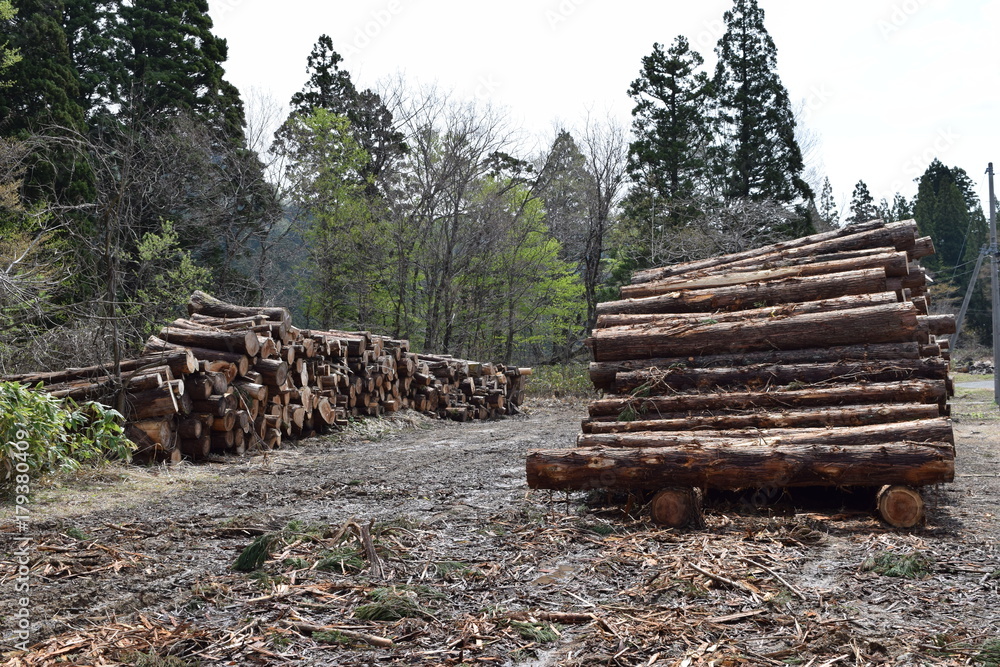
[804, 363]
[231, 378]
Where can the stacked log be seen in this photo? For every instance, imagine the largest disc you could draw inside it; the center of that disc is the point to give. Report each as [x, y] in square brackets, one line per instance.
[230, 378]
[803, 363]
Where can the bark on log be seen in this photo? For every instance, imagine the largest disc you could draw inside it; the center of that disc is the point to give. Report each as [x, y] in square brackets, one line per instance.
[895, 264]
[895, 323]
[938, 429]
[741, 465]
[898, 235]
[816, 418]
[206, 304]
[914, 391]
[784, 310]
[239, 360]
[658, 381]
[754, 295]
[602, 374]
[241, 342]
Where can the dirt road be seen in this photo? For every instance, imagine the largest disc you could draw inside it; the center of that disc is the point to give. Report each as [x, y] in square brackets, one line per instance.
[417, 542]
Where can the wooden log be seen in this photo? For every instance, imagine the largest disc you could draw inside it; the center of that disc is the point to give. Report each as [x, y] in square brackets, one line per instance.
[227, 422]
[190, 428]
[913, 391]
[274, 372]
[894, 323]
[215, 405]
[239, 342]
[939, 325]
[900, 506]
[180, 362]
[206, 304]
[740, 465]
[159, 431]
[159, 402]
[753, 295]
[674, 507]
[658, 381]
[875, 234]
[242, 363]
[196, 448]
[938, 430]
[815, 418]
[782, 310]
[895, 264]
[602, 374]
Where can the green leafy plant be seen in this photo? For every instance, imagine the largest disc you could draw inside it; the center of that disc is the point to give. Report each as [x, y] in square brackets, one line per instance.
[342, 560]
[541, 633]
[40, 433]
[908, 566]
[391, 604]
[257, 553]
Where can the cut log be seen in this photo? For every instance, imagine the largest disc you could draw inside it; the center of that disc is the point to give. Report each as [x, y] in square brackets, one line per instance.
[900, 506]
[816, 418]
[913, 391]
[895, 264]
[602, 374]
[740, 465]
[206, 304]
[658, 381]
[928, 430]
[894, 323]
[754, 295]
[239, 342]
[159, 402]
[240, 360]
[784, 310]
[273, 371]
[675, 507]
[897, 235]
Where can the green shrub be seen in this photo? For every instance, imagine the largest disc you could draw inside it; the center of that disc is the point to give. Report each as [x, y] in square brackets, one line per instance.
[41, 434]
[570, 379]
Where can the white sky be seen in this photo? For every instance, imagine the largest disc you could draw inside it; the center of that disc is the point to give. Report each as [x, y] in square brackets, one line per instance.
[887, 85]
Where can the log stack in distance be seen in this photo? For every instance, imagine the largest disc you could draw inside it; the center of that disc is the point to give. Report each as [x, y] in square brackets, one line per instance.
[229, 379]
[812, 362]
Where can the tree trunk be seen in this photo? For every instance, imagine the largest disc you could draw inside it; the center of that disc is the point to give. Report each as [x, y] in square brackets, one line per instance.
[241, 342]
[659, 381]
[895, 264]
[754, 295]
[913, 391]
[938, 429]
[895, 323]
[602, 374]
[819, 417]
[740, 465]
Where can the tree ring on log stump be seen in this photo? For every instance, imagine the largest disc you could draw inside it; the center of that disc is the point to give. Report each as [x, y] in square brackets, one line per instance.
[674, 507]
[900, 506]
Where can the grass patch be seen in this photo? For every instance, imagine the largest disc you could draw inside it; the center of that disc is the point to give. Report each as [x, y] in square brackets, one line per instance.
[390, 604]
[257, 553]
[989, 654]
[890, 564]
[331, 637]
[563, 380]
[342, 560]
[540, 633]
[76, 533]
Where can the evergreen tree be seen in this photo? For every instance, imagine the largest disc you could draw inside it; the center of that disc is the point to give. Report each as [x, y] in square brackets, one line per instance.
[175, 65]
[42, 97]
[827, 209]
[862, 206]
[329, 87]
[670, 122]
[8, 56]
[99, 51]
[563, 187]
[757, 155]
[947, 210]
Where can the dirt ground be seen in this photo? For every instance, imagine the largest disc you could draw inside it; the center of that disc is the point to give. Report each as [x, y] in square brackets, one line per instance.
[417, 542]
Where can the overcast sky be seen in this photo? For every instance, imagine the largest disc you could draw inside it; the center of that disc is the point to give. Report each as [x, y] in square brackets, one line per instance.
[886, 85]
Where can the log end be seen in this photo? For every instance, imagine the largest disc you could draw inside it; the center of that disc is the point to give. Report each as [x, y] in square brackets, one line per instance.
[675, 507]
[900, 506]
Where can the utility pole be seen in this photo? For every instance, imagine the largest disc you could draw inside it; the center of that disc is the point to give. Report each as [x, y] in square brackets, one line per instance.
[996, 289]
